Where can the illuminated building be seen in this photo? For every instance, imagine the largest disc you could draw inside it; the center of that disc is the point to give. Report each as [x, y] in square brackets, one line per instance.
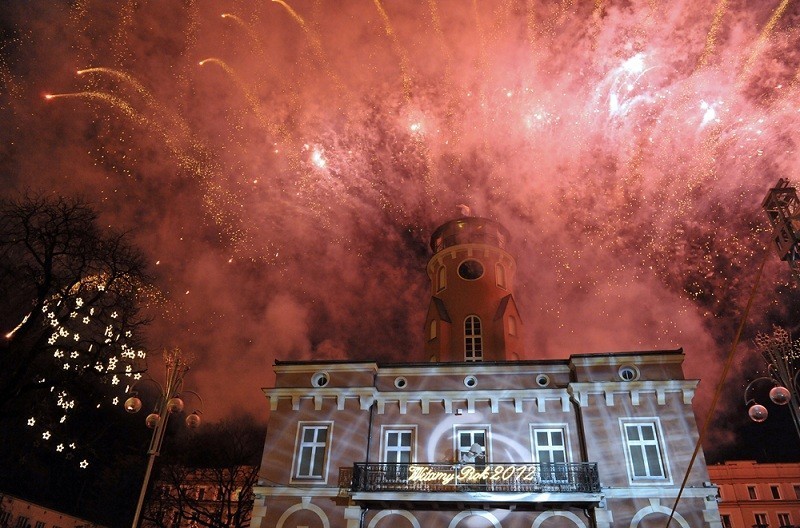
[19, 513]
[757, 495]
[190, 497]
[478, 437]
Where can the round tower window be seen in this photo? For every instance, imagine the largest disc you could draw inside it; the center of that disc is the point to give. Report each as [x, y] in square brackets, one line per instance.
[470, 381]
[470, 270]
[543, 380]
[400, 382]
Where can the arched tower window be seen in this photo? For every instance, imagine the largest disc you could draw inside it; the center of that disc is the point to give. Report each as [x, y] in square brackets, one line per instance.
[441, 282]
[500, 275]
[433, 330]
[512, 325]
[473, 340]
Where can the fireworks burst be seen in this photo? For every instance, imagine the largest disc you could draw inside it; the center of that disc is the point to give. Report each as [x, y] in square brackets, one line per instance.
[627, 147]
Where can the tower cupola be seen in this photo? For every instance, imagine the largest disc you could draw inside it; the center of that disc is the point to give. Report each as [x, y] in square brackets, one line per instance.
[472, 315]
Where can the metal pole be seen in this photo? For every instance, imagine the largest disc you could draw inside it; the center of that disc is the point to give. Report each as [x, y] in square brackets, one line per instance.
[175, 371]
[153, 452]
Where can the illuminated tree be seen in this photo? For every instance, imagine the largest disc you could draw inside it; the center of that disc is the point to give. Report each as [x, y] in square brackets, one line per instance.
[70, 316]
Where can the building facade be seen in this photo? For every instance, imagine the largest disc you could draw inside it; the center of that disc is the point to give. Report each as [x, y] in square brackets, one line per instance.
[757, 495]
[19, 513]
[185, 497]
[478, 437]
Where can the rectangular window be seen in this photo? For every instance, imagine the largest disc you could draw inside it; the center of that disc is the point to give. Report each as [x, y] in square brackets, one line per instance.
[466, 449]
[726, 521]
[5, 517]
[312, 449]
[39, 524]
[751, 492]
[22, 522]
[644, 450]
[473, 340]
[398, 452]
[776, 491]
[549, 450]
[761, 519]
[784, 520]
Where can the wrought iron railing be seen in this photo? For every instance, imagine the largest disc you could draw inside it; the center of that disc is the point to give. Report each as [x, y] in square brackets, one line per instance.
[512, 478]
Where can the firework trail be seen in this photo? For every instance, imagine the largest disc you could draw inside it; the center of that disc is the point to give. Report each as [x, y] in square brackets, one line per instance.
[626, 146]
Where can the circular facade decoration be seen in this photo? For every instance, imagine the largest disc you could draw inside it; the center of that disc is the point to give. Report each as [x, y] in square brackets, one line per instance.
[628, 373]
[543, 380]
[320, 379]
[470, 270]
[400, 382]
[470, 381]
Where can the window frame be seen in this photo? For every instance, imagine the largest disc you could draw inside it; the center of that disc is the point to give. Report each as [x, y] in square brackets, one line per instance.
[441, 279]
[459, 449]
[473, 342]
[752, 493]
[759, 517]
[658, 441]
[301, 443]
[386, 430]
[500, 275]
[775, 491]
[726, 520]
[547, 474]
[784, 519]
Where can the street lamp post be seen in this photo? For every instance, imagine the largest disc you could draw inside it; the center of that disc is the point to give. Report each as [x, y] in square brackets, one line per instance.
[169, 402]
[782, 355]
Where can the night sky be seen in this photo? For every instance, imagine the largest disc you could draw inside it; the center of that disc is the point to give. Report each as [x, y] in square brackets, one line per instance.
[283, 164]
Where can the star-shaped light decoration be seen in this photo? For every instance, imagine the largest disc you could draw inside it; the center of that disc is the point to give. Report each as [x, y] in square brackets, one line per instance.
[46, 435]
[84, 464]
[86, 320]
[31, 421]
[60, 447]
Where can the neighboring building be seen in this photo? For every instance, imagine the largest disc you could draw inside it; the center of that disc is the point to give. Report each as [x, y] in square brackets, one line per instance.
[185, 497]
[757, 495]
[478, 437]
[19, 513]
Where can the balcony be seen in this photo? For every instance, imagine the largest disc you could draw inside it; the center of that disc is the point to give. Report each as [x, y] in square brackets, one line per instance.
[442, 486]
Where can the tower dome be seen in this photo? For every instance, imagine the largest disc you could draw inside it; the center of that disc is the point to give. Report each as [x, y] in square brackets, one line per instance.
[472, 315]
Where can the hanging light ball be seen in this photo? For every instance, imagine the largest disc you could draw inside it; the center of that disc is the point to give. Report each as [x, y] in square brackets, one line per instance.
[758, 413]
[133, 404]
[175, 405]
[780, 395]
[193, 420]
[152, 420]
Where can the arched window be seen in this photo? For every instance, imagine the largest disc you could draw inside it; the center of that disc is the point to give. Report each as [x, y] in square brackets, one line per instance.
[442, 279]
[473, 341]
[500, 275]
[512, 325]
[433, 330]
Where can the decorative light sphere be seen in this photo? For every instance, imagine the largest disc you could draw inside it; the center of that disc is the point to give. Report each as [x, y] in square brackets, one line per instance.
[133, 404]
[758, 413]
[780, 395]
[175, 405]
[152, 420]
[193, 421]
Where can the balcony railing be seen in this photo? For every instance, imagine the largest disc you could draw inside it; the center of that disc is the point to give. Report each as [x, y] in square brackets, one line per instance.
[495, 478]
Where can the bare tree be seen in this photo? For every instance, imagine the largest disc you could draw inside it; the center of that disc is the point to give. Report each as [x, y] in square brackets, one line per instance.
[209, 482]
[70, 311]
